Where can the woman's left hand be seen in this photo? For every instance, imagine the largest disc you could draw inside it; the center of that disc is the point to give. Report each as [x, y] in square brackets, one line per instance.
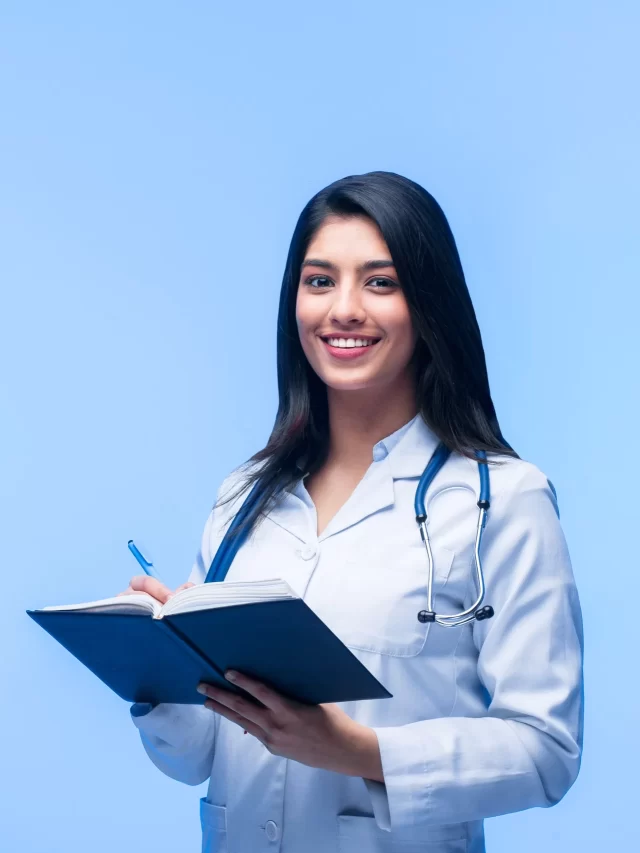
[317, 735]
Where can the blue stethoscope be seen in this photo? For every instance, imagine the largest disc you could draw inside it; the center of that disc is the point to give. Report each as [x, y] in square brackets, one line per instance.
[230, 544]
[440, 456]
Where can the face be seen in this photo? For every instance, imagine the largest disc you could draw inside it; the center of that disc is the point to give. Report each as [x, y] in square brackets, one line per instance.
[352, 316]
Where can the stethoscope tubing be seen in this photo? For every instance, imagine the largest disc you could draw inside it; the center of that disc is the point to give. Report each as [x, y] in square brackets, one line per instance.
[230, 544]
[474, 612]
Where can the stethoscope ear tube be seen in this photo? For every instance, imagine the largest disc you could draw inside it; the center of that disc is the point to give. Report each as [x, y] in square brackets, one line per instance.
[439, 457]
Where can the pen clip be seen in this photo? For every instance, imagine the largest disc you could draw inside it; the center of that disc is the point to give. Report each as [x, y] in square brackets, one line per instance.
[146, 565]
[138, 555]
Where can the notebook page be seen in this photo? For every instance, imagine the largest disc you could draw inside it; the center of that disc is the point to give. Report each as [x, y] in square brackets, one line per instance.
[224, 594]
[136, 603]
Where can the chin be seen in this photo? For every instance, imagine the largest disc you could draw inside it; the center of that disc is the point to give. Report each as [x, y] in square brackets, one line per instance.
[343, 384]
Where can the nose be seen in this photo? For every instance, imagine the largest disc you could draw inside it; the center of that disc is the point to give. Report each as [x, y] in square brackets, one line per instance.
[346, 307]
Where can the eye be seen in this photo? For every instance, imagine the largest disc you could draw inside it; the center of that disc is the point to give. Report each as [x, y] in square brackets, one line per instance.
[311, 281]
[321, 282]
[387, 283]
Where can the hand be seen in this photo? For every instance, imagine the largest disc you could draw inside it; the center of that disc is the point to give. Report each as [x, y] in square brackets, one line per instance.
[317, 735]
[153, 587]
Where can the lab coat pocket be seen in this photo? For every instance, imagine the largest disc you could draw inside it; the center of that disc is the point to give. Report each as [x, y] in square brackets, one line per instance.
[213, 820]
[382, 591]
[357, 833]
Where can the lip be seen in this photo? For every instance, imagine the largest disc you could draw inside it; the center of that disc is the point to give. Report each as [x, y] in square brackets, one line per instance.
[346, 354]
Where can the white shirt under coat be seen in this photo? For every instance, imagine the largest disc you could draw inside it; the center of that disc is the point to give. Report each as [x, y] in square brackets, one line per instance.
[485, 718]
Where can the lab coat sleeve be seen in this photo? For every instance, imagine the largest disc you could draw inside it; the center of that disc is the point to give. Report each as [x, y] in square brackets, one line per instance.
[526, 750]
[180, 739]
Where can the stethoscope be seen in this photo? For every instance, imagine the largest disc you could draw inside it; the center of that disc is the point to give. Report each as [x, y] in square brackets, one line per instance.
[231, 543]
[439, 457]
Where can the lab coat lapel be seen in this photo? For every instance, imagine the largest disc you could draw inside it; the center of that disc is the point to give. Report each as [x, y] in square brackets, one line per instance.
[372, 494]
[375, 492]
[293, 515]
[295, 511]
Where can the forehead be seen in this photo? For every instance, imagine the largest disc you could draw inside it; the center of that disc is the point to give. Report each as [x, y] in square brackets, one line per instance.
[356, 237]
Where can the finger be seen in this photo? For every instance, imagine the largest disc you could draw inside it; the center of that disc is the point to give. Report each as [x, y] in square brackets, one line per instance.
[243, 705]
[185, 586]
[126, 591]
[269, 697]
[248, 726]
[152, 586]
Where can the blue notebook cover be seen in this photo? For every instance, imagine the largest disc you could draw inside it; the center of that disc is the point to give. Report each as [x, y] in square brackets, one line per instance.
[282, 643]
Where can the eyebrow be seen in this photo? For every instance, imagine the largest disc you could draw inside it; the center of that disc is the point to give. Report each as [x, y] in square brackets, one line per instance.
[367, 265]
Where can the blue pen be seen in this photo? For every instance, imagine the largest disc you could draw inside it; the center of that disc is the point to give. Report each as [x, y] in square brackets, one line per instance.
[146, 565]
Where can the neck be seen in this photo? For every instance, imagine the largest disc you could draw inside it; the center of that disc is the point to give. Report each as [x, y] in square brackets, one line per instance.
[359, 419]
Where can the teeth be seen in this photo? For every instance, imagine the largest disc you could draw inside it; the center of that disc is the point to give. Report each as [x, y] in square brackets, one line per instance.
[349, 342]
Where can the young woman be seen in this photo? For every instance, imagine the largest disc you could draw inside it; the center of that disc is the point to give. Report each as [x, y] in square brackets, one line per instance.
[379, 360]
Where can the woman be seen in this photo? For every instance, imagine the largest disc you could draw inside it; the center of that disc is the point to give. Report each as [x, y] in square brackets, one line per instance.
[379, 359]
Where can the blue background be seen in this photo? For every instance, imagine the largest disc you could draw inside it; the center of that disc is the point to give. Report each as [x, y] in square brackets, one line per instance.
[154, 158]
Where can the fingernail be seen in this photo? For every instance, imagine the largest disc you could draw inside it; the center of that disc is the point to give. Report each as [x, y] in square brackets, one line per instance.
[230, 675]
[202, 689]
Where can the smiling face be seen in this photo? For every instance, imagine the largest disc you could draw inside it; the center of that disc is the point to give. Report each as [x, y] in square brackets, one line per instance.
[352, 316]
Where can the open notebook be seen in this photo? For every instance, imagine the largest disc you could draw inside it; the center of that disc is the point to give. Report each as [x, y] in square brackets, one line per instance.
[197, 597]
[148, 652]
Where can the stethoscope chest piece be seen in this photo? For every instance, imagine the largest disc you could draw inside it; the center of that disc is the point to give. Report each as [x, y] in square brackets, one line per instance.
[476, 612]
[481, 613]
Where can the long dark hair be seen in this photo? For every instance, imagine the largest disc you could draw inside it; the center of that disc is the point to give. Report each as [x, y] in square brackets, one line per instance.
[452, 388]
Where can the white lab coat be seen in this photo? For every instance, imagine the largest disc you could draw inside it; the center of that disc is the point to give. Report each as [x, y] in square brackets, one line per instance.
[485, 718]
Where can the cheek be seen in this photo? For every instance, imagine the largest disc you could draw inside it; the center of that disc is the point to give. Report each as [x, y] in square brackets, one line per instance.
[306, 323]
[399, 326]
[305, 318]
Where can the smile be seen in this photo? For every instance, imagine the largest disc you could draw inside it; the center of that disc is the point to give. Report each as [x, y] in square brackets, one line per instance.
[340, 347]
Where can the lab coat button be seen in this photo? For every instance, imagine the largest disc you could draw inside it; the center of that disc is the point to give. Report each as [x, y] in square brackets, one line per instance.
[307, 553]
[271, 828]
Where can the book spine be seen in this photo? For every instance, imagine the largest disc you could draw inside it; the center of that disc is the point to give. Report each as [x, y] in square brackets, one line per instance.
[192, 650]
[195, 652]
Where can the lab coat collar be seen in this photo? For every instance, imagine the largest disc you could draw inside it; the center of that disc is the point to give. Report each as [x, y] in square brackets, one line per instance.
[409, 457]
[403, 454]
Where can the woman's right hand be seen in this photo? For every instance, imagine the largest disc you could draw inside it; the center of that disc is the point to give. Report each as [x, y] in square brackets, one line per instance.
[153, 587]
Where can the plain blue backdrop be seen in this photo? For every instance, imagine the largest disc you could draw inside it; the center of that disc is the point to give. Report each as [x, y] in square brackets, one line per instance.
[154, 158]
